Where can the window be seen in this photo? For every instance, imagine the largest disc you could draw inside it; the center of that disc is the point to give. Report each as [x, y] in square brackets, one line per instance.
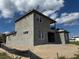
[26, 32]
[39, 19]
[41, 36]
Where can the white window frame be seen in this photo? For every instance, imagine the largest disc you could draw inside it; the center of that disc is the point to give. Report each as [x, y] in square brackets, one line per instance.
[41, 35]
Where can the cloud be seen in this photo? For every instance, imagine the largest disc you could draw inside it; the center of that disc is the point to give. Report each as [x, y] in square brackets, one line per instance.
[68, 17]
[8, 21]
[9, 7]
[72, 24]
[54, 16]
[47, 7]
[48, 12]
[25, 5]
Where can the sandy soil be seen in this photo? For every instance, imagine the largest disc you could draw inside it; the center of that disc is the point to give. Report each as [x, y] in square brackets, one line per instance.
[50, 51]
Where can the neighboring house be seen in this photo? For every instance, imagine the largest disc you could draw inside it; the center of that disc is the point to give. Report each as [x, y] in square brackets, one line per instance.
[2, 38]
[34, 29]
[75, 38]
[64, 36]
[72, 40]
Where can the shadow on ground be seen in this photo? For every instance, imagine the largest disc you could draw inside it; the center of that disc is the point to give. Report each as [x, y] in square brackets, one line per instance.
[26, 53]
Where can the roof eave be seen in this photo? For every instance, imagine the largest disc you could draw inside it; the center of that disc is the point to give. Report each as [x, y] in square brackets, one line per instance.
[52, 21]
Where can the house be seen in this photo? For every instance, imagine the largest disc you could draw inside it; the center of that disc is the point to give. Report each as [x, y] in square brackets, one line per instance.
[64, 36]
[75, 39]
[2, 38]
[34, 29]
[72, 40]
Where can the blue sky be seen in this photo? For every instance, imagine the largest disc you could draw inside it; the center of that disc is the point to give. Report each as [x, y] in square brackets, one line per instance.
[65, 12]
[71, 6]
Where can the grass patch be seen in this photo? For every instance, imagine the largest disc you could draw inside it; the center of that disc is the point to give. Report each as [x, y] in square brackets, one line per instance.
[75, 42]
[62, 57]
[5, 56]
[76, 57]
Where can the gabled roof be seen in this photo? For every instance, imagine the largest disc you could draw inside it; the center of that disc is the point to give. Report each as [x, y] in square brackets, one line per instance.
[34, 11]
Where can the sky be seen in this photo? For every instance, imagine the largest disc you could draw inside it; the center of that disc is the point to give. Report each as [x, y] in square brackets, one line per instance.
[65, 12]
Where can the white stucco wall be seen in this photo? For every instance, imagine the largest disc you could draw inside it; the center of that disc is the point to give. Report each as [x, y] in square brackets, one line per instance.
[21, 39]
[62, 38]
[25, 24]
[76, 39]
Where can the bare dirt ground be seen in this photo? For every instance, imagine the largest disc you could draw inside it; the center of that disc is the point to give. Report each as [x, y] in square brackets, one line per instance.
[50, 51]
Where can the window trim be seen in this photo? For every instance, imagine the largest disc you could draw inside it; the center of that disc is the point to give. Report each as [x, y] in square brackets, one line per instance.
[41, 35]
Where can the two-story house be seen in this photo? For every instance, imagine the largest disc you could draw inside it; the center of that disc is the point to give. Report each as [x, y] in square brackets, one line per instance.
[33, 29]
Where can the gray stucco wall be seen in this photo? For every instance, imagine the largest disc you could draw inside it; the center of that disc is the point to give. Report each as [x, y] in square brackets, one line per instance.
[42, 27]
[57, 38]
[66, 37]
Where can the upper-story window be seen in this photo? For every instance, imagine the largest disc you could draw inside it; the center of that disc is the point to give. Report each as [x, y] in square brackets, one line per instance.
[39, 19]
